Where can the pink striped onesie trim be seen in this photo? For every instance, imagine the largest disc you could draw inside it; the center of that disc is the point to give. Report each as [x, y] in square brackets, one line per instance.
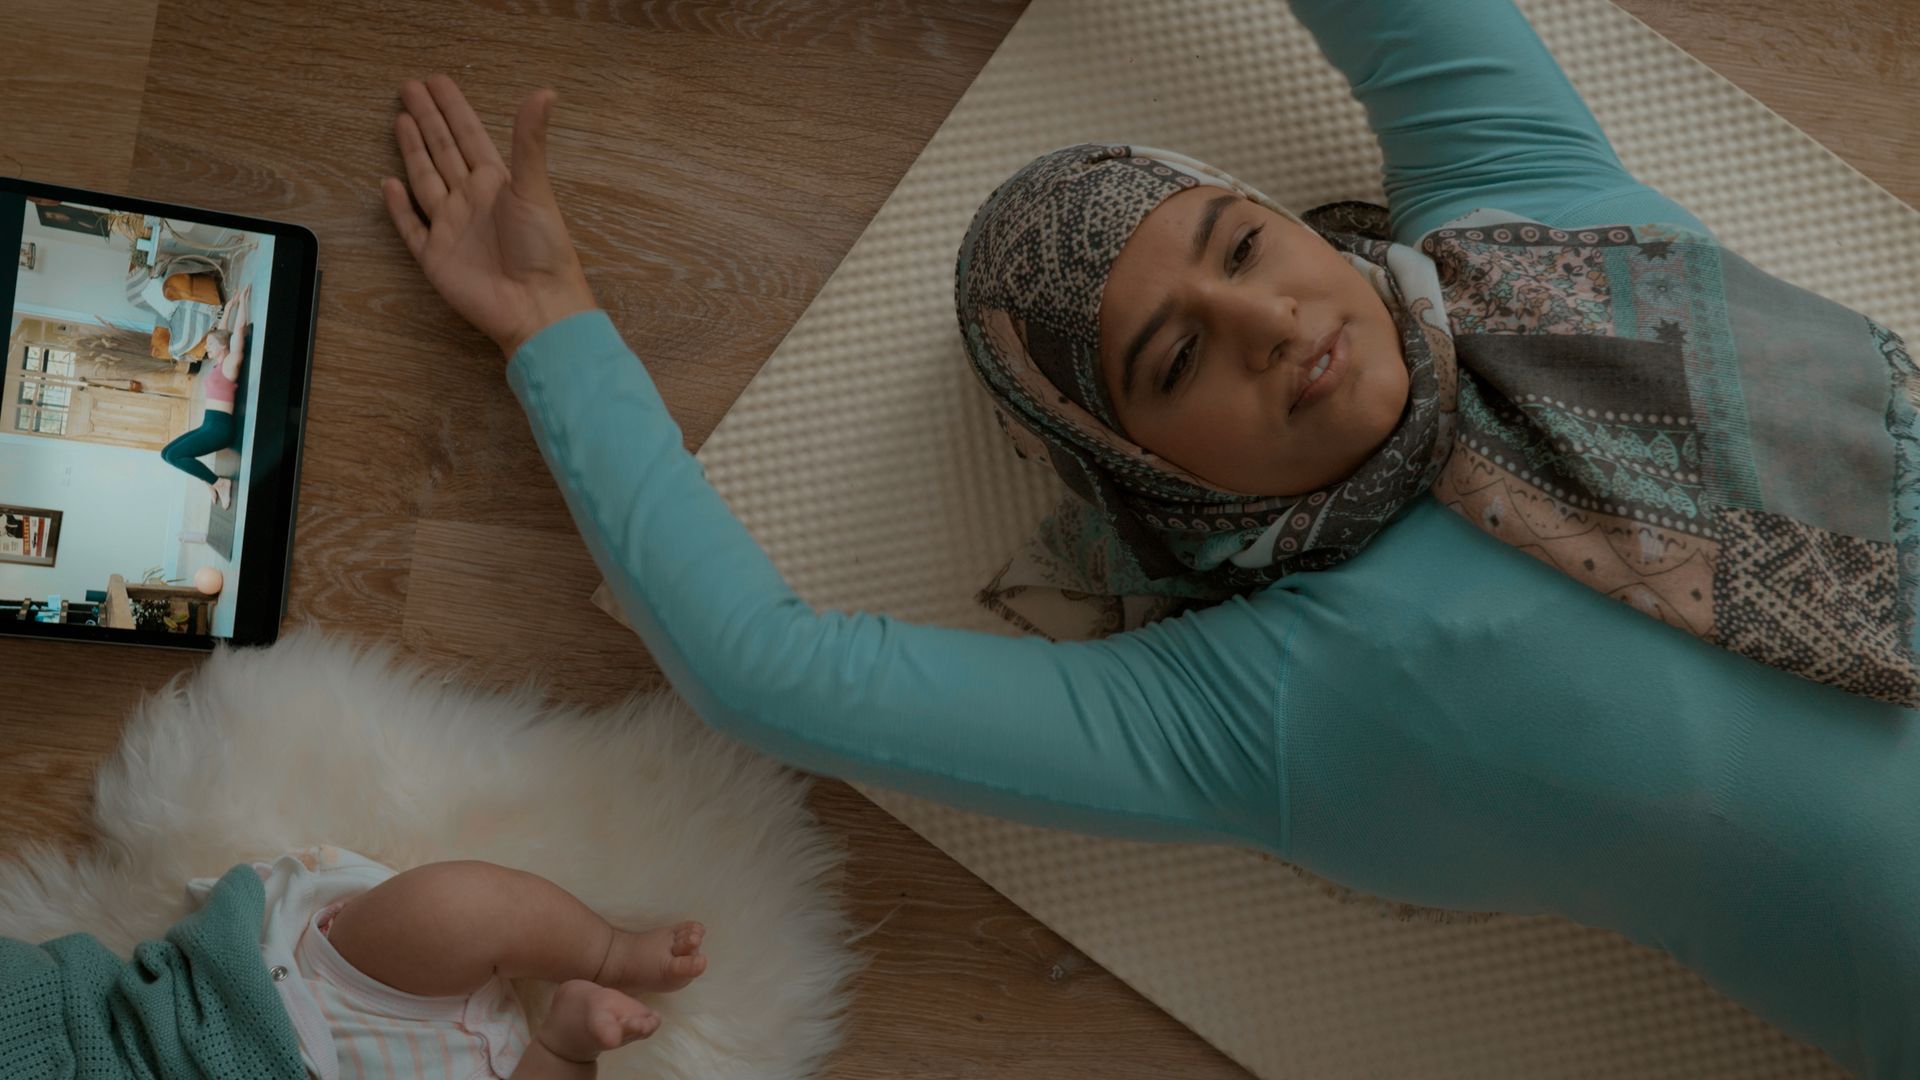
[354, 1005]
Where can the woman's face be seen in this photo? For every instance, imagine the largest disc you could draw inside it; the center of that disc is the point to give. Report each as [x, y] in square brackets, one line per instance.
[1243, 348]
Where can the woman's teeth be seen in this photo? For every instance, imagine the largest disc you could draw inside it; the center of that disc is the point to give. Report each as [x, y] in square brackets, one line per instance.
[1319, 367]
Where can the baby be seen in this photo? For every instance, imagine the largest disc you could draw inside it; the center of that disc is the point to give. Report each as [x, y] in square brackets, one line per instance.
[405, 974]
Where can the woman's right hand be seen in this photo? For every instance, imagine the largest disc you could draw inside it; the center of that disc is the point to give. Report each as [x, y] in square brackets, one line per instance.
[492, 243]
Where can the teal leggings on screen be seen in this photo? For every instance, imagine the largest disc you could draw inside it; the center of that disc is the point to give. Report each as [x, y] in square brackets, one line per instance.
[214, 434]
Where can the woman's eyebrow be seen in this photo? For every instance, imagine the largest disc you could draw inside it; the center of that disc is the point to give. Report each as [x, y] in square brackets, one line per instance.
[1202, 237]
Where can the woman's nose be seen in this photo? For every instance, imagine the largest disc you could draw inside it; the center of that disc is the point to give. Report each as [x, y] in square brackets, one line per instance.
[1272, 323]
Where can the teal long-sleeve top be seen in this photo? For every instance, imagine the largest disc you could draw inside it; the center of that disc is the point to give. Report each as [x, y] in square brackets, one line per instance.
[1441, 720]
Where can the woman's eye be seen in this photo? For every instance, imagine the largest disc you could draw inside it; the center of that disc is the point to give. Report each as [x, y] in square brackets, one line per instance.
[1178, 368]
[1246, 247]
[1242, 251]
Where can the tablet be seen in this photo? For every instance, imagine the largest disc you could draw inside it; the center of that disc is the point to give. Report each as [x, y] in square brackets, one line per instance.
[151, 413]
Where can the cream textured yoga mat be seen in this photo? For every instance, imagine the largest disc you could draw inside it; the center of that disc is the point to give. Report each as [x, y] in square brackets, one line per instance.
[863, 457]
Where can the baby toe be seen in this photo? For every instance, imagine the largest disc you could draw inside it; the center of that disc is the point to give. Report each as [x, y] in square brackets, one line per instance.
[608, 1030]
[687, 937]
[641, 1025]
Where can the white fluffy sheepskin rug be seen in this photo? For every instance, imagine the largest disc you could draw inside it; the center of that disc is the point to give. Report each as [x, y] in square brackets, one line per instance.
[641, 811]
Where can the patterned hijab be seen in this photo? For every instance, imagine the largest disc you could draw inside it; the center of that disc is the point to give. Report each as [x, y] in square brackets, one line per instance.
[1143, 537]
[1592, 397]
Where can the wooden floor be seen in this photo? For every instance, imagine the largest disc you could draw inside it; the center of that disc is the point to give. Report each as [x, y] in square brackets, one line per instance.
[717, 158]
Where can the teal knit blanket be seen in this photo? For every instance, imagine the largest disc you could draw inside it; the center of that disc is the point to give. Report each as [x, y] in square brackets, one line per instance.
[199, 1004]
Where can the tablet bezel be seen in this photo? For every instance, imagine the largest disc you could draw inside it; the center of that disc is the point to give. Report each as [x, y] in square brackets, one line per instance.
[271, 498]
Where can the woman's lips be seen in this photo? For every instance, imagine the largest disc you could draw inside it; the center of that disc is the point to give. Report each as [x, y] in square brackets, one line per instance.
[1323, 368]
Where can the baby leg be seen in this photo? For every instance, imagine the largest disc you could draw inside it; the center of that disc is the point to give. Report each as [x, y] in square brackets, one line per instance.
[584, 1021]
[445, 928]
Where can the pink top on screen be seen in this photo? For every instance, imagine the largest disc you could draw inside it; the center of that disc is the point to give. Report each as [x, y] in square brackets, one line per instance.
[216, 384]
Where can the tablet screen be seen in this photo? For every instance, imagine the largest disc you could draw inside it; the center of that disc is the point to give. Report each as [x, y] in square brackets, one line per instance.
[129, 412]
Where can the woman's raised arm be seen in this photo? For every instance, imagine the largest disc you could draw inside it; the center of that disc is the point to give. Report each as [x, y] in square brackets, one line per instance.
[1472, 112]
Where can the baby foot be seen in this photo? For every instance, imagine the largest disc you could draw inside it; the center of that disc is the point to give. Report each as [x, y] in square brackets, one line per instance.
[586, 1020]
[655, 961]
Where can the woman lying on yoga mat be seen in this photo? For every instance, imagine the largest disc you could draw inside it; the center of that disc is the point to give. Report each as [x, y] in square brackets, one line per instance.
[1275, 421]
[226, 351]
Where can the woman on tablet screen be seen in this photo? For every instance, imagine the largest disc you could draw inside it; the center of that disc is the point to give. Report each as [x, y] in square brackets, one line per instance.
[226, 351]
[1506, 579]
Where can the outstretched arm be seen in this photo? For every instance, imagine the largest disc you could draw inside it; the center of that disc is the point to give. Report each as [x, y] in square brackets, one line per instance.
[1472, 112]
[1165, 733]
[234, 315]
